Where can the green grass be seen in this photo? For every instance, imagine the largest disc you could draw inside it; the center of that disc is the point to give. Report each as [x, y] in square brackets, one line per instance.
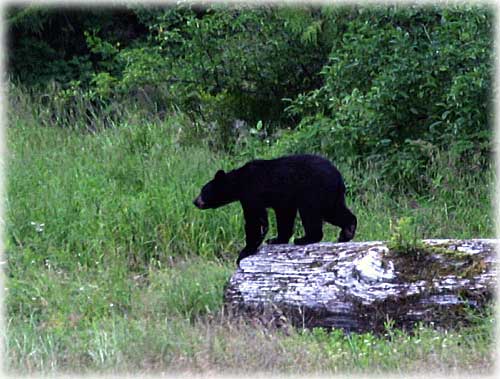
[111, 268]
[217, 345]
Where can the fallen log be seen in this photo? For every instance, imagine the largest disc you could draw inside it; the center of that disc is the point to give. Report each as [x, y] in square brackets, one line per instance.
[359, 286]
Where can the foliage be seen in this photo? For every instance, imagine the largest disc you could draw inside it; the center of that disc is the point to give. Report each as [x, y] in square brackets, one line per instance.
[48, 43]
[392, 85]
[405, 237]
[402, 83]
[219, 63]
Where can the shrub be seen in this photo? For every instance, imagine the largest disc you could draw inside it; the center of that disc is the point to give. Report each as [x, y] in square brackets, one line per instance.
[402, 83]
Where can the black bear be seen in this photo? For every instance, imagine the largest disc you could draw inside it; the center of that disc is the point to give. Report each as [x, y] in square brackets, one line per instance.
[307, 183]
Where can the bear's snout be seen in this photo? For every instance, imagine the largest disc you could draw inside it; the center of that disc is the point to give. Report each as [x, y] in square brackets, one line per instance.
[199, 202]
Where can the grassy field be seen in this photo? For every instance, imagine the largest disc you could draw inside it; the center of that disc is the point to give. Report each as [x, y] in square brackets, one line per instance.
[111, 268]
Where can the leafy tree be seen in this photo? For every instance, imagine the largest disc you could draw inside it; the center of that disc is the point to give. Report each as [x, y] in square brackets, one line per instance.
[401, 84]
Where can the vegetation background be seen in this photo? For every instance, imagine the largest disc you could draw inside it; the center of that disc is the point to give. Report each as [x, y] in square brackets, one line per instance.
[116, 117]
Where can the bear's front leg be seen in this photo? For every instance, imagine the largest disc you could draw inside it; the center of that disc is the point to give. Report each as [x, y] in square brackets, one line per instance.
[256, 226]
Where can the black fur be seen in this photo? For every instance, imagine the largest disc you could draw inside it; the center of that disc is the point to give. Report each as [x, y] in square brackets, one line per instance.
[307, 184]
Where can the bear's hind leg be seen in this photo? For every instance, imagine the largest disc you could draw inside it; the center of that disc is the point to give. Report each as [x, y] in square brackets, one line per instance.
[285, 219]
[313, 226]
[345, 219]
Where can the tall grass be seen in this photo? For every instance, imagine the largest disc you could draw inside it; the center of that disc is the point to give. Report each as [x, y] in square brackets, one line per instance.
[128, 191]
[112, 268]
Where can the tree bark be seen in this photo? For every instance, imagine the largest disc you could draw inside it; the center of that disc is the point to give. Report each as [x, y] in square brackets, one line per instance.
[359, 286]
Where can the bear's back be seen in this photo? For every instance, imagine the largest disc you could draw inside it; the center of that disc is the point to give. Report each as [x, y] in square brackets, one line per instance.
[293, 173]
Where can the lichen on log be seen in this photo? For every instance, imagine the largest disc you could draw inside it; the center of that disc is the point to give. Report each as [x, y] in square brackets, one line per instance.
[359, 286]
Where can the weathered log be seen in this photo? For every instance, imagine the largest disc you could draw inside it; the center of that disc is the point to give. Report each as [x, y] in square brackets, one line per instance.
[359, 286]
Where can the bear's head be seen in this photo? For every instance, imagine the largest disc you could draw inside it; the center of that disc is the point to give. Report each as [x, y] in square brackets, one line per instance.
[215, 193]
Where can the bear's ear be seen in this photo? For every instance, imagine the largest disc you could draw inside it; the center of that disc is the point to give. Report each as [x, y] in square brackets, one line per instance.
[220, 174]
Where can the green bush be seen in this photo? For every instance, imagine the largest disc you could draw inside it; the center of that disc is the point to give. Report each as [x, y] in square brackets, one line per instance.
[402, 83]
[217, 63]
